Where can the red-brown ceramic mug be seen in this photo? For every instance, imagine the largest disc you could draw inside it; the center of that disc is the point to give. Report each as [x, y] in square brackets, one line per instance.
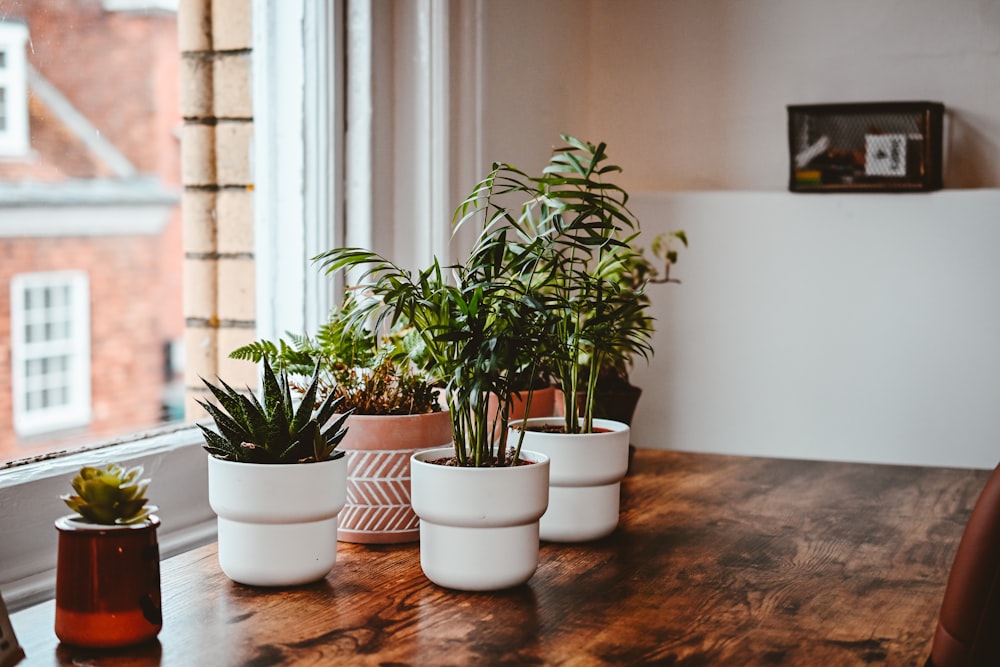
[107, 583]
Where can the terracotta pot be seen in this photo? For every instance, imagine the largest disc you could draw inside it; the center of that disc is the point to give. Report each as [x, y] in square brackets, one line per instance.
[107, 583]
[617, 404]
[378, 509]
[277, 522]
[479, 526]
[585, 478]
[542, 405]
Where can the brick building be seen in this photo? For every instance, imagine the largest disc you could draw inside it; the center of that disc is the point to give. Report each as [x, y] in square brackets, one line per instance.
[90, 247]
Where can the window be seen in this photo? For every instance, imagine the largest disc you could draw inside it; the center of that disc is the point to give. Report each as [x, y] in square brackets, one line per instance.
[298, 126]
[97, 193]
[50, 351]
[13, 90]
[173, 456]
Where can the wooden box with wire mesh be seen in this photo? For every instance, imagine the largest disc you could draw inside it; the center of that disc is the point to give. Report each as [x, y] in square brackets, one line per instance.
[865, 147]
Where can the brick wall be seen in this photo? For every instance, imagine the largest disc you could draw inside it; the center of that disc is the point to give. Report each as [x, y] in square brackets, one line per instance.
[219, 310]
[126, 333]
[130, 47]
[121, 71]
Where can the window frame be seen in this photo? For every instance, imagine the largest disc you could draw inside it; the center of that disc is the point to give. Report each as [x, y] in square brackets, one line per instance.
[77, 411]
[14, 137]
[289, 33]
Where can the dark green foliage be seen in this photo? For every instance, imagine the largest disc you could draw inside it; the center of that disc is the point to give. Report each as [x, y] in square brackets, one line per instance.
[568, 235]
[543, 292]
[373, 375]
[477, 333]
[276, 431]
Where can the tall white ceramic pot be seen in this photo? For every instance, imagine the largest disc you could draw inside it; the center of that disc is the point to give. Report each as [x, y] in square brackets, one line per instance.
[478, 526]
[277, 522]
[584, 479]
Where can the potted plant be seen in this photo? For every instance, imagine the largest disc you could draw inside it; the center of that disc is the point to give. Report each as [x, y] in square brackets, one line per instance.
[108, 563]
[276, 480]
[574, 236]
[479, 501]
[394, 413]
[615, 396]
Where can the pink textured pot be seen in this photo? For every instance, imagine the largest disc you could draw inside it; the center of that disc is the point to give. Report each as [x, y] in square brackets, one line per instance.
[378, 509]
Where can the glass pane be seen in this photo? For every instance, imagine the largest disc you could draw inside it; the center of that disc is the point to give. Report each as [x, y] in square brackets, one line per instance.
[100, 300]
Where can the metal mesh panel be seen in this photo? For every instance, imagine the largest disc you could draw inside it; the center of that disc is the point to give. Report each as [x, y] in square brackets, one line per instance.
[887, 146]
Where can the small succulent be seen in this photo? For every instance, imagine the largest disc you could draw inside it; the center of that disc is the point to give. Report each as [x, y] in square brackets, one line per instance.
[110, 495]
[275, 431]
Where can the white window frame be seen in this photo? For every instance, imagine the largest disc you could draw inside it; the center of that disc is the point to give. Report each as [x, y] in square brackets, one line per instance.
[14, 139]
[75, 313]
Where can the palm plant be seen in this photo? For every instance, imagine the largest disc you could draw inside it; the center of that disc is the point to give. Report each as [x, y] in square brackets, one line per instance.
[541, 289]
[570, 230]
[477, 331]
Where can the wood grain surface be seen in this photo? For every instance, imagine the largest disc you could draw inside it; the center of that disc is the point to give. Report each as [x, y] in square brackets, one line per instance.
[718, 560]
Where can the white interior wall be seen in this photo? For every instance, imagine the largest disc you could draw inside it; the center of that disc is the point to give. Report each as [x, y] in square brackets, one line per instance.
[828, 326]
[693, 95]
[535, 79]
[854, 327]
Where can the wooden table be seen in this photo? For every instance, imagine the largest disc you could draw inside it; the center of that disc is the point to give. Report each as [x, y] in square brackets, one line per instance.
[718, 560]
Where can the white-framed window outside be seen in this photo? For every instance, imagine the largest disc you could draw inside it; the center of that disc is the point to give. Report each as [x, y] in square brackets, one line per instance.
[13, 90]
[50, 351]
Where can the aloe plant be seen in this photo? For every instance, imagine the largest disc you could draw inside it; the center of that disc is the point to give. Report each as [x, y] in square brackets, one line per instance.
[110, 495]
[273, 430]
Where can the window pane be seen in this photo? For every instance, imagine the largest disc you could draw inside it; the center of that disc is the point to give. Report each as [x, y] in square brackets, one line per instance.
[89, 223]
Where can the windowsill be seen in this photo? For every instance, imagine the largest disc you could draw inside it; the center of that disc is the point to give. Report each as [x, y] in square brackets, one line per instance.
[172, 457]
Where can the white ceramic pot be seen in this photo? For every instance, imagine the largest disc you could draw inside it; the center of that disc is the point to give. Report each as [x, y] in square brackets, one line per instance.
[378, 507]
[478, 526]
[277, 523]
[584, 479]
